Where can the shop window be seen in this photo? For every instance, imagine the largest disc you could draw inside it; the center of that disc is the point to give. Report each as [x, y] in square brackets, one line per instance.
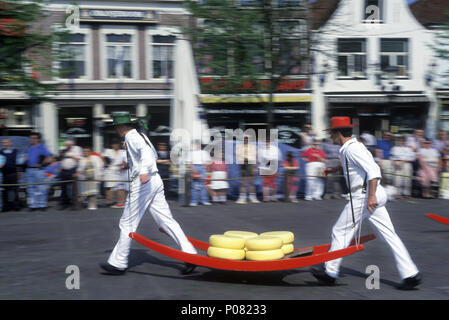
[394, 53]
[75, 123]
[373, 11]
[292, 46]
[351, 58]
[72, 64]
[119, 51]
[17, 116]
[213, 58]
[163, 50]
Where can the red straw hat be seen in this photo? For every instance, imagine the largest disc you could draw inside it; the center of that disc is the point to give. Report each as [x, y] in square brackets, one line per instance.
[340, 123]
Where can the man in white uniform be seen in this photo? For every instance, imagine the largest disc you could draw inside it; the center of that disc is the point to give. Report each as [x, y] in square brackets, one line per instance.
[146, 192]
[370, 204]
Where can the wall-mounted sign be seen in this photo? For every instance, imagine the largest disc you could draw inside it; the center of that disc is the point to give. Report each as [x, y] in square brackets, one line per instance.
[113, 15]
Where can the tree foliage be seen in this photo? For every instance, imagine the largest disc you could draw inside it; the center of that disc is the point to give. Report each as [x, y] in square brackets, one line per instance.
[27, 46]
[250, 48]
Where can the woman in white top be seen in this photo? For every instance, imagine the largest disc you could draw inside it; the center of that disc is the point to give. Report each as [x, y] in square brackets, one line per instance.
[403, 157]
[115, 162]
[429, 167]
[90, 171]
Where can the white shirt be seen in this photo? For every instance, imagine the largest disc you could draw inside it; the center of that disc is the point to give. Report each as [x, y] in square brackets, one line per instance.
[142, 157]
[68, 162]
[116, 157]
[430, 155]
[402, 153]
[361, 165]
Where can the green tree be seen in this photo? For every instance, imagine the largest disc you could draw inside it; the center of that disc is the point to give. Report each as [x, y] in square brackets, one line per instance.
[27, 46]
[249, 46]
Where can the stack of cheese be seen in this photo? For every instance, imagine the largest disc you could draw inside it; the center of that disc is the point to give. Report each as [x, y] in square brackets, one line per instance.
[238, 245]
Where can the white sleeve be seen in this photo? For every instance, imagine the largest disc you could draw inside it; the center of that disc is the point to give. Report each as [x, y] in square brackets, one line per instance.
[364, 159]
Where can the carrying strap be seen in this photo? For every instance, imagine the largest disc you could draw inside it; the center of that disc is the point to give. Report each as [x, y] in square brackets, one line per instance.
[350, 192]
[148, 142]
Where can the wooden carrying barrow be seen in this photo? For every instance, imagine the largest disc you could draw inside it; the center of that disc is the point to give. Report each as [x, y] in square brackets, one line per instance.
[299, 258]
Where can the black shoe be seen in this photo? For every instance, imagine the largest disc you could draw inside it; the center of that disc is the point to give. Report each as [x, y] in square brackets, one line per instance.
[188, 268]
[322, 276]
[110, 269]
[411, 282]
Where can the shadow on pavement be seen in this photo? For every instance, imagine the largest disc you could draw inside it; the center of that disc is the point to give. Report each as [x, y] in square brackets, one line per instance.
[275, 278]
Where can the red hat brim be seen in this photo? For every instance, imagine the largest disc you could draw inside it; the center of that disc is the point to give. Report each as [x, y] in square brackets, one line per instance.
[342, 127]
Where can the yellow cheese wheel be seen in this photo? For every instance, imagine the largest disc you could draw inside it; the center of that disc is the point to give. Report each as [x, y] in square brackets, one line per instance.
[222, 253]
[263, 243]
[265, 255]
[286, 236]
[288, 248]
[228, 242]
[241, 234]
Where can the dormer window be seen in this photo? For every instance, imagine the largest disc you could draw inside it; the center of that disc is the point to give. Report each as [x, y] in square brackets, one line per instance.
[372, 11]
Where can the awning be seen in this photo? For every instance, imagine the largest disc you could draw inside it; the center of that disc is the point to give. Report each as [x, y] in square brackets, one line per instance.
[378, 99]
[256, 98]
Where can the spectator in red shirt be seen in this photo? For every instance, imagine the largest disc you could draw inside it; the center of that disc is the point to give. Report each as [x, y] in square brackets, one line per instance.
[315, 158]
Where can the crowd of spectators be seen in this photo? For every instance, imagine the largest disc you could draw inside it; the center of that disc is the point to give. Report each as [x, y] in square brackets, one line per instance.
[412, 166]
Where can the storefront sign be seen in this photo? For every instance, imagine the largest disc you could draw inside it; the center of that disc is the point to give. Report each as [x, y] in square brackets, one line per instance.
[111, 15]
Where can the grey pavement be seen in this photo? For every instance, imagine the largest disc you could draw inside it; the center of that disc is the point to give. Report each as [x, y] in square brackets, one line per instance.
[37, 248]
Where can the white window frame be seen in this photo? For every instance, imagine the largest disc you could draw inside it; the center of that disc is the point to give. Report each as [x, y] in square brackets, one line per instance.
[88, 66]
[393, 56]
[158, 31]
[118, 30]
[351, 61]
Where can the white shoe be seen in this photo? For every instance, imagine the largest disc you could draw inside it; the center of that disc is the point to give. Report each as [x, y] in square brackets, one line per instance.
[254, 200]
[308, 199]
[241, 201]
[206, 204]
[92, 208]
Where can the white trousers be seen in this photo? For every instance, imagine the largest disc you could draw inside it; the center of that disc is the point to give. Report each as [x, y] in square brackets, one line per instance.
[343, 232]
[314, 185]
[142, 197]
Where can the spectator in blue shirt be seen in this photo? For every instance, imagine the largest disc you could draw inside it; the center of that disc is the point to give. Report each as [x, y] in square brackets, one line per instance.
[383, 151]
[38, 156]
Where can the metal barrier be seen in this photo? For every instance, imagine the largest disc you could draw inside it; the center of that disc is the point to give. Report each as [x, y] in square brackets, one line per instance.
[187, 182]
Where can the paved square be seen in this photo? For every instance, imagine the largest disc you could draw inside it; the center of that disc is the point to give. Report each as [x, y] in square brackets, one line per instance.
[37, 248]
